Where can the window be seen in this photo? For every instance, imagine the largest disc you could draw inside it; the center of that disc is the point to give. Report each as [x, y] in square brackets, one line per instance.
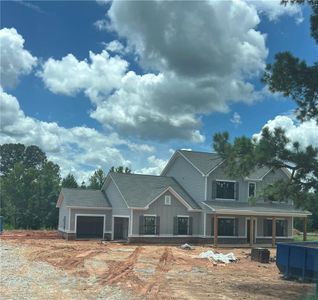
[183, 225]
[281, 227]
[251, 189]
[167, 200]
[225, 190]
[149, 225]
[226, 227]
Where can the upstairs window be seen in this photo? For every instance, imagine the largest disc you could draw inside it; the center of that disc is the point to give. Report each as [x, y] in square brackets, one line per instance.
[251, 189]
[225, 190]
[167, 200]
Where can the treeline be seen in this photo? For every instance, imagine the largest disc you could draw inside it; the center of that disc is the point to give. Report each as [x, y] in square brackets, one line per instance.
[30, 185]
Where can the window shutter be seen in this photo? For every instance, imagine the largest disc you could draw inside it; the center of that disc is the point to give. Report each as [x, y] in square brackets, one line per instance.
[236, 225]
[285, 228]
[265, 227]
[141, 224]
[190, 225]
[175, 225]
[157, 225]
[237, 191]
[213, 189]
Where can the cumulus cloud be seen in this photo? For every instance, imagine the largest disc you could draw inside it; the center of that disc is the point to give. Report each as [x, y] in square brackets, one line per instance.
[96, 77]
[273, 9]
[305, 133]
[15, 60]
[78, 149]
[156, 165]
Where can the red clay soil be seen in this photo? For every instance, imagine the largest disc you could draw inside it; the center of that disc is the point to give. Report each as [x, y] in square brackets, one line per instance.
[160, 272]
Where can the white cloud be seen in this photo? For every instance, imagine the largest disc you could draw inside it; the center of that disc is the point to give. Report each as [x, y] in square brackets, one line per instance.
[273, 9]
[79, 150]
[115, 46]
[96, 78]
[101, 25]
[15, 60]
[236, 119]
[155, 168]
[305, 133]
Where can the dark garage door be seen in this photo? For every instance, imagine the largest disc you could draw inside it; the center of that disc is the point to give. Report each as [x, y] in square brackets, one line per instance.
[89, 227]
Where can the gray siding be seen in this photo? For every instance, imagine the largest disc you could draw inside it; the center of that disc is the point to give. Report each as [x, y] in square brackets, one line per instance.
[188, 177]
[167, 213]
[63, 212]
[270, 178]
[219, 174]
[107, 213]
[117, 202]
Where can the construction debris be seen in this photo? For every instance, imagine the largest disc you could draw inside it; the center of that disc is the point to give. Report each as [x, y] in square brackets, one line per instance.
[218, 257]
[187, 247]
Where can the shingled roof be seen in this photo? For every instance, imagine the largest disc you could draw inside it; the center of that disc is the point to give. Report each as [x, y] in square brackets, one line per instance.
[139, 190]
[83, 197]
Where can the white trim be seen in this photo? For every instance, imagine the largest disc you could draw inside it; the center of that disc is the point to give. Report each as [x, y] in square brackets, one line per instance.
[176, 195]
[131, 221]
[208, 206]
[166, 235]
[215, 167]
[183, 216]
[119, 190]
[191, 163]
[69, 219]
[87, 207]
[221, 199]
[204, 224]
[206, 189]
[277, 237]
[119, 216]
[232, 237]
[226, 180]
[266, 214]
[89, 215]
[248, 188]
[167, 199]
[150, 215]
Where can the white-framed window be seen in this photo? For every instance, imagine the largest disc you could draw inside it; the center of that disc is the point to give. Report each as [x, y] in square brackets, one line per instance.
[225, 190]
[167, 200]
[150, 225]
[251, 189]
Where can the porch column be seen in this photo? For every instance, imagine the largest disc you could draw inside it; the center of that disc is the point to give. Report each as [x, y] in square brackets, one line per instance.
[305, 230]
[251, 231]
[273, 231]
[215, 227]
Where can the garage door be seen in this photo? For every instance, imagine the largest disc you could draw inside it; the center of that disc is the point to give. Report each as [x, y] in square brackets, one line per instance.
[89, 227]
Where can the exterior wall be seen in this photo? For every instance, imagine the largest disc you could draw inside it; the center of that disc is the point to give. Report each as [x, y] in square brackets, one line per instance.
[260, 225]
[219, 174]
[63, 212]
[166, 213]
[188, 177]
[119, 207]
[106, 213]
[270, 178]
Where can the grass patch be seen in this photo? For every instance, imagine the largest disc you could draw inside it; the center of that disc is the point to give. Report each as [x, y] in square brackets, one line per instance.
[310, 238]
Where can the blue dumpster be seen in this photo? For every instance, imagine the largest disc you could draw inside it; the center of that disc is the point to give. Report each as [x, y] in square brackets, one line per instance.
[298, 260]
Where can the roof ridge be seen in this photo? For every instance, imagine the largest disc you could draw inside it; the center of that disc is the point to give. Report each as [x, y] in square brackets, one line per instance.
[195, 151]
[87, 189]
[137, 174]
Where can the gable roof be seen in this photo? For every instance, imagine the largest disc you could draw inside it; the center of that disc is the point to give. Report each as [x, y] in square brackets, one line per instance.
[140, 190]
[83, 197]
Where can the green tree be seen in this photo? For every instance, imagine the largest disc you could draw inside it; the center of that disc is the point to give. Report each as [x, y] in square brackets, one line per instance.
[69, 181]
[294, 78]
[29, 188]
[120, 169]
[83, 185]
[97, 179]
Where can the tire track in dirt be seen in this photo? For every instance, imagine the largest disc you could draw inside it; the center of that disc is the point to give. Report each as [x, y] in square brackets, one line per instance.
[123, 271]
[158, 283]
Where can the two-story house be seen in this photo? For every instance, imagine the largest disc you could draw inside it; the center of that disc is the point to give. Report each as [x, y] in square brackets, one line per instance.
[193, 200]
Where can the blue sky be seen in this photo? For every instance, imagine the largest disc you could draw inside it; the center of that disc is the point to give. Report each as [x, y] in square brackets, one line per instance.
[160, 77]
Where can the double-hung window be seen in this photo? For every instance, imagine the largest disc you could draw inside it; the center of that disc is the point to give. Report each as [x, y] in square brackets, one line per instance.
[225, 190]
[183, 225]
[150, 225]
[251, 189]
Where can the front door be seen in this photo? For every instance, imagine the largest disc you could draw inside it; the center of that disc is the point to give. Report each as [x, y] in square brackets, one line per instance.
[120, 228]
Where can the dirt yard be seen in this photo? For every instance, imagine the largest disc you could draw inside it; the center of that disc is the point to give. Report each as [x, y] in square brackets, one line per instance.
[62, 269]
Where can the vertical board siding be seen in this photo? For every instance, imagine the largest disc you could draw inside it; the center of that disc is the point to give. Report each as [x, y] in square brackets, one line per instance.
[63, 212]
[166, 214]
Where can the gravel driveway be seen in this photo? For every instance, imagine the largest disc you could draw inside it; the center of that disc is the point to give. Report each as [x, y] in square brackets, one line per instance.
[23, 279]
